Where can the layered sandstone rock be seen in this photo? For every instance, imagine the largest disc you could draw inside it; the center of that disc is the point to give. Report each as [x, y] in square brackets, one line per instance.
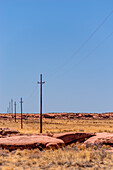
[100, 138]
[70, 137]
[29, 142]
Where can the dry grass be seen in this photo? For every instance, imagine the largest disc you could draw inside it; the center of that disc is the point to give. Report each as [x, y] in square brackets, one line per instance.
[71, 157]
[57, 126]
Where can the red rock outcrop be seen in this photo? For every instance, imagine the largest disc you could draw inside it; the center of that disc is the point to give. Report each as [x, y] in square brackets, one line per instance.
[85, 116]
[100, 138]
[7, 131]
[52, 146]
[70, 137]
[29, 142]
[50, 141]
[49, 116]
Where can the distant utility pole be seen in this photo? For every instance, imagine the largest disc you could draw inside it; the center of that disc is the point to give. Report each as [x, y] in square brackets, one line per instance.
[7, 109]
[41, 102]
[21, 113]
[15, 111]
[11, 105]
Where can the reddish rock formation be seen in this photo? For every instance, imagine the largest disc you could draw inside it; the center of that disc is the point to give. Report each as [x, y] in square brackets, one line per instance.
[85, 116]
[49, 116]
[70, 137]
[29, 142]
[50, 141]
[7, 131]
[100, 138]
[52, 146]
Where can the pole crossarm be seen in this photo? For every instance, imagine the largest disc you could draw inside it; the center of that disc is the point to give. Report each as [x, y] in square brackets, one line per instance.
[41, 82]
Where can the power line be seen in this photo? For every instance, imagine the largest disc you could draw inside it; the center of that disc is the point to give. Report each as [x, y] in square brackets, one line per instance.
[86, 41]
[92, 34]
[29, 97]
[93, 50]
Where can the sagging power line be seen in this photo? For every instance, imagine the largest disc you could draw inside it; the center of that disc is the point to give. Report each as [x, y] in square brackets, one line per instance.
[86, 41]
[79, 49]
[93, 50]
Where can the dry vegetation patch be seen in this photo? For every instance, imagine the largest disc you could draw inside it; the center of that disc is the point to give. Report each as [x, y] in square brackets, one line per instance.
[60, 125]
[72, 157]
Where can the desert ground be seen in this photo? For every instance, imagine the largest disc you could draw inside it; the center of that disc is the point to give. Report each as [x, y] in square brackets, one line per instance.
[72, 156]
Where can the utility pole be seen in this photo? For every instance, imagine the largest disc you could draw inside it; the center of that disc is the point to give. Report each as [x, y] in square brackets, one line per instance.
[9, 107]
[15, 111]
[21, 113]
[41, 102]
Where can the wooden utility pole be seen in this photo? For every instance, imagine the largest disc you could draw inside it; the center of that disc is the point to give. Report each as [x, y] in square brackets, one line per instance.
[21, 113]
[15, 111]
[41, 102]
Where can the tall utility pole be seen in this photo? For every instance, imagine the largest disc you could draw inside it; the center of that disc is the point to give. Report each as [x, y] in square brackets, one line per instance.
[41, 102]
[15, 111]
[21, 113]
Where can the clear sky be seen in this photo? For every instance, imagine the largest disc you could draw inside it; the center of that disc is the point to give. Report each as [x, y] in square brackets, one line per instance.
[42, 36]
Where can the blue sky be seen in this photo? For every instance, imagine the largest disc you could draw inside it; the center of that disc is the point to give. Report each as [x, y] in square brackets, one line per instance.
[41, 37]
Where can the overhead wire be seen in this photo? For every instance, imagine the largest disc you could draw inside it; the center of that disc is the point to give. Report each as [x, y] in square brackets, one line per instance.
[28, 98]
[93, 50]
[78, 50]
[84, 43]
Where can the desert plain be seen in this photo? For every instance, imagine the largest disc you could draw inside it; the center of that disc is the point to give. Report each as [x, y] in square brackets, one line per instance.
[85, 141]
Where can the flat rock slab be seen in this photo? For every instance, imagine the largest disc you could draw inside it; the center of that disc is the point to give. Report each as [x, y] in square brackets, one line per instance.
[29, 142]
[70, 137]
[100, 138]
[6, 131]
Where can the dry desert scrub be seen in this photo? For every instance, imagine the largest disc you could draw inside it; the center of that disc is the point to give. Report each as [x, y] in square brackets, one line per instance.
[71, 158]
[57, 126]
